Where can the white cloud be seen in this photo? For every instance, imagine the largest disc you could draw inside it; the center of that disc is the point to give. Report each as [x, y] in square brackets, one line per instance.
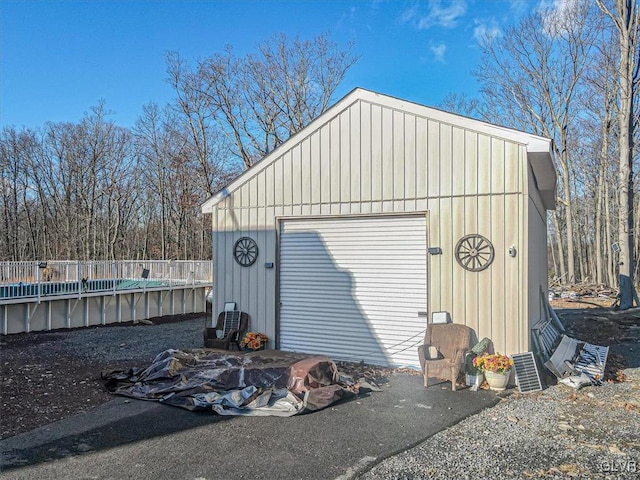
[518, 7]
[438, 50]
[558, 6]
[558, 15]
[347, 18]
[445, 16]
[486, 32]
[409, 14]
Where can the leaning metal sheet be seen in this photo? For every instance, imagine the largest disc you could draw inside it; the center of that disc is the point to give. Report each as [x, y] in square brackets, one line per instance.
[578, 363]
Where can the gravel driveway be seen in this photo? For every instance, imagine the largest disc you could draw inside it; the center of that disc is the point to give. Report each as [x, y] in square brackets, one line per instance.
[557, 433]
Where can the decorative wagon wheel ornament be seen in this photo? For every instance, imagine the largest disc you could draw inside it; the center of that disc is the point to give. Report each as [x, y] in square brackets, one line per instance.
[474, 252]
[245, 251]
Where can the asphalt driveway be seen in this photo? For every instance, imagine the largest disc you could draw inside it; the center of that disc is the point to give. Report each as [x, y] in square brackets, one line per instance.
[137, 439]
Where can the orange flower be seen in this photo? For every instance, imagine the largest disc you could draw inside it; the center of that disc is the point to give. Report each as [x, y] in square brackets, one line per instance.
[254, 340]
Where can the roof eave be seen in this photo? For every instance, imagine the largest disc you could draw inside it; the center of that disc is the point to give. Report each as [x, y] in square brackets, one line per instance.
[211, 202]
[540, 156]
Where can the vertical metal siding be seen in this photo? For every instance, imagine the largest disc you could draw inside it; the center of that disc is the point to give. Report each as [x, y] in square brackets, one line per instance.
[354, 159]
[458, 162]
[523, 254]
[471, 281]
[345, 160]
[410, 164]
[445, 160]
[420, 157]
[366, 156]
[376, 155]
[459, 294]
[497, 272]
[352, 288]
[373, 159]
[399, 165]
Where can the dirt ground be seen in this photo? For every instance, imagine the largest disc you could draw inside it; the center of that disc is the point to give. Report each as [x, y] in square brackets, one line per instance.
[41, 381]
[41, 384]
[38, 389]
[592, 320]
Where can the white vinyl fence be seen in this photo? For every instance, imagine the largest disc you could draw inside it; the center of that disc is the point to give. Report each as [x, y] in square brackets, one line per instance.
[64, 277]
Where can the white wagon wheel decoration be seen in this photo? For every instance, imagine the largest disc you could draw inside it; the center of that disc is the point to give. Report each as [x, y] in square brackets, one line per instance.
[245, 251]
[474, 252]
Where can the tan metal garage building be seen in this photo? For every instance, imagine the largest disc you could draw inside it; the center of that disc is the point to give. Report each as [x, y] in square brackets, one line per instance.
[349, 237]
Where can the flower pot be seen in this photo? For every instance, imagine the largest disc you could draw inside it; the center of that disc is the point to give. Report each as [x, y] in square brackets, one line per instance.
[497, 381]
[474, 380]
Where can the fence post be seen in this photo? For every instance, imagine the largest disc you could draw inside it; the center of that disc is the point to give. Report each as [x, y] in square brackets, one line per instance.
[38, 281]
[114, 274]
[78, 279]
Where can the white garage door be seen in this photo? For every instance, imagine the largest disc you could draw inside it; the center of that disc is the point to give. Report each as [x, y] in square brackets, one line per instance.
[352, 288]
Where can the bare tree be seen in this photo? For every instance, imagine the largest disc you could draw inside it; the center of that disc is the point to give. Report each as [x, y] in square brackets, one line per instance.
[91, 189]
[81, 172]
[596, 150]
[530, 78]
[461, 104]
[19, 231]
[625, 16]
[258, 101]
[155, 148]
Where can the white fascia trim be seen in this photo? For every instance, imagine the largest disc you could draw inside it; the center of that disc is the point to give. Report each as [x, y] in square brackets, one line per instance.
[534, 143]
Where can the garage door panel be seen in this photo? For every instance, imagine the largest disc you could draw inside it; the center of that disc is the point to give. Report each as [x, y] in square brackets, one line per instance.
[374, 275]
[406, 295]
[311, 307]
[348, 242]
[397, 283]
[374, 257]
[350, 350]
[322, 330]
[374, 265]
[337, 310]
[351, 288]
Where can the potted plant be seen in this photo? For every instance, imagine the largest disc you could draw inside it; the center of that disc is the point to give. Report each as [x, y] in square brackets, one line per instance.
[473, 375]
[496, 368]
[253, 341]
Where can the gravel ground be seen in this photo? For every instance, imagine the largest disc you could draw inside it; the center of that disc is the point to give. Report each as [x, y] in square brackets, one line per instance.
[556, 433]
[115, 344]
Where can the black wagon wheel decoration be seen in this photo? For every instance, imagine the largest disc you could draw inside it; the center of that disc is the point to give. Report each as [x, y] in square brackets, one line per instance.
[474, 252]
[245, 251]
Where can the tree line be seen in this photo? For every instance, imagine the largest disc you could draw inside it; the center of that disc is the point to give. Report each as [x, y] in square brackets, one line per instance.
[93, 190]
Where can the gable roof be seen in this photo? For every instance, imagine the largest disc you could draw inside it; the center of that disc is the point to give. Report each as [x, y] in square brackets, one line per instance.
[539, 149]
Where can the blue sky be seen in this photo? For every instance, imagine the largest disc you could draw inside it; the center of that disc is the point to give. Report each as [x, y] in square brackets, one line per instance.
[59, 58]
